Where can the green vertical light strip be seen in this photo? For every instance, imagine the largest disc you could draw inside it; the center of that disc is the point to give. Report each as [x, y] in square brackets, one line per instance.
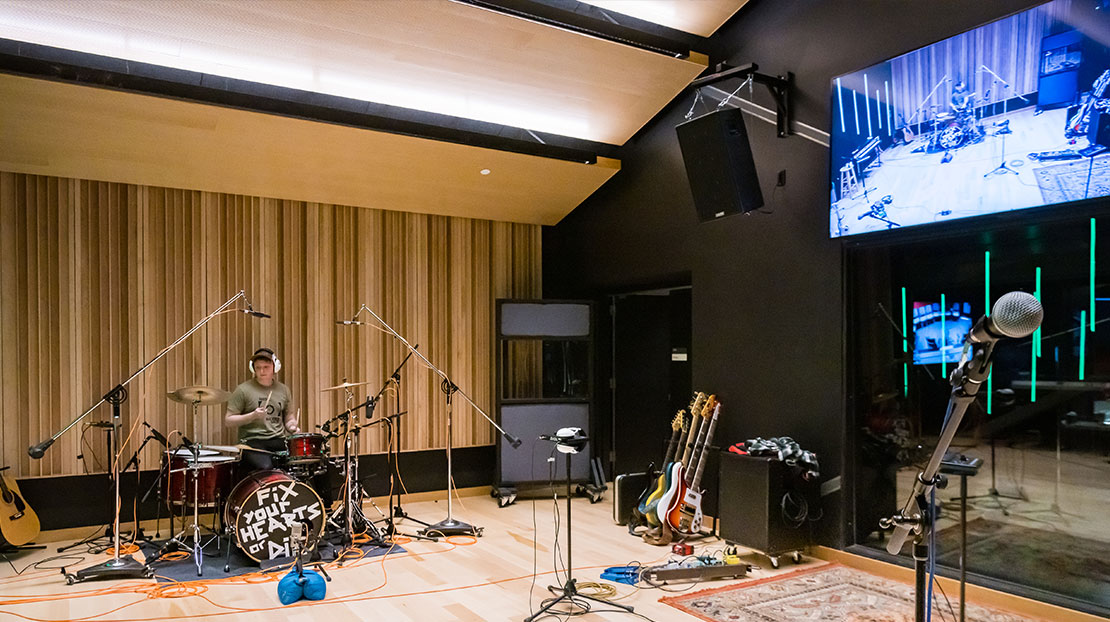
[905, 349]
[1092, 275]
[987, 306]
[943, 338]
[1037, 334]
[1082, 344]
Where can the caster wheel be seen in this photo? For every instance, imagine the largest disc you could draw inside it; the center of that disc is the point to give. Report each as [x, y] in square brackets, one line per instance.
[69, 580]
[797, 557]
[505, 501]
[774, 562]
[594, 498]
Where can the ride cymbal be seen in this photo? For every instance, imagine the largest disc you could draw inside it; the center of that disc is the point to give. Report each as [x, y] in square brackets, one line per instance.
[201, 395]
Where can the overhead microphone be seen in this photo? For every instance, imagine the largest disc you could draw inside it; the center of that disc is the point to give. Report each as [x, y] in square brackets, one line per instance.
[349, 322]
[254, 313]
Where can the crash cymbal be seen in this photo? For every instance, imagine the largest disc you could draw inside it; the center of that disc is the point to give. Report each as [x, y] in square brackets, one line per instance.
[345, 385]
[201, 395]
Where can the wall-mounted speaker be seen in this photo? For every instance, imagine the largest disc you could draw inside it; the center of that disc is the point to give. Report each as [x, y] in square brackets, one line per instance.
[719, 164]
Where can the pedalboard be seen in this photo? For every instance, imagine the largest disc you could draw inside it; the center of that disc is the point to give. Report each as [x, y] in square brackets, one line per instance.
[664, 574]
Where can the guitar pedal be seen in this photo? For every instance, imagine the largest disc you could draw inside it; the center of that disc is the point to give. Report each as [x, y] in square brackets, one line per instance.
[681, 548]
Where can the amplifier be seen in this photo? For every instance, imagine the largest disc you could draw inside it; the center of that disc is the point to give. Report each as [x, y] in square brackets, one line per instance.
[761, 502]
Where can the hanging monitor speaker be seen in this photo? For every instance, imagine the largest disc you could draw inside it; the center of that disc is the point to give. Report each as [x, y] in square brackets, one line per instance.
[719, 164]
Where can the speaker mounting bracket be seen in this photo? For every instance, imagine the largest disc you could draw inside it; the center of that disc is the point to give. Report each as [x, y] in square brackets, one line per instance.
[779, 87]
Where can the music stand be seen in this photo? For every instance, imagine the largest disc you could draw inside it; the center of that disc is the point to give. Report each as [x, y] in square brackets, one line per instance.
[570, 441]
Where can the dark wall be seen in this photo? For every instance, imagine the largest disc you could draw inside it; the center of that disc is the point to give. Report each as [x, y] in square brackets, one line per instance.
[768, 319]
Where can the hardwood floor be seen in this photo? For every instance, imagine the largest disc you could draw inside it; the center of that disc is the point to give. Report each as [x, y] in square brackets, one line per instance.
[490, 579]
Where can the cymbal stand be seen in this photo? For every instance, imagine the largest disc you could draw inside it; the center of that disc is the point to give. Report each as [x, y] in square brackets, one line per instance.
[448, 526]
[121, 566]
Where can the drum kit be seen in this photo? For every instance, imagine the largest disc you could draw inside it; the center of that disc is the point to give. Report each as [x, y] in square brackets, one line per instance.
[260, 510]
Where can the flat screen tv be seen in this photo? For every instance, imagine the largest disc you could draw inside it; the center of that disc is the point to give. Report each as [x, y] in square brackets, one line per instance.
[938, 334]
[1012, 115]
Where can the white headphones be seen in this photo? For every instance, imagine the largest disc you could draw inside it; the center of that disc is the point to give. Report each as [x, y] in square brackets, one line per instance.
[268, 353]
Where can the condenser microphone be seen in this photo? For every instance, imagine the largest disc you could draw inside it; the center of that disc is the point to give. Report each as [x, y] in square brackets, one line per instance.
[157, 435]
[254, 313]
[349, 322]
[37, 451]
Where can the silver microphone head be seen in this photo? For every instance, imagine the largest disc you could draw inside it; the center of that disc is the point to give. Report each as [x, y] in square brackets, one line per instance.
[1017, 314]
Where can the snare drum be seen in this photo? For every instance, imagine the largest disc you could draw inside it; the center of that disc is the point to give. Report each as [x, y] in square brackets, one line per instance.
[210, 477]
[266, 508]
[305, 449]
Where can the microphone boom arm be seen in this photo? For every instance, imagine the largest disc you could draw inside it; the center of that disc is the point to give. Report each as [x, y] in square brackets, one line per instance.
[37, 451]
[451, 385]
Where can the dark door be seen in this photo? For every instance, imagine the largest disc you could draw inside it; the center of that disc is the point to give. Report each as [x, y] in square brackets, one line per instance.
[651, 372]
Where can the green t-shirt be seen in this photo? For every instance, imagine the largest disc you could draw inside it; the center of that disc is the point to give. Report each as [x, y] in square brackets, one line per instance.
[251, 395]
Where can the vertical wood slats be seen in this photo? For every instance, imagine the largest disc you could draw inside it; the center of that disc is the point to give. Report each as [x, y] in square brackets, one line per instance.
[96, 278]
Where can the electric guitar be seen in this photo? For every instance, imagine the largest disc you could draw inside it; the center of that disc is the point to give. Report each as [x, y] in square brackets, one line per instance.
[18, 522]
[693, 468]
[690, 515]
[672, 472]
[640, 512]
[680, 472]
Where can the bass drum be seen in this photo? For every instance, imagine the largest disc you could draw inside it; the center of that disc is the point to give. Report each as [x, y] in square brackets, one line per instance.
[266, 508]
[952, 136]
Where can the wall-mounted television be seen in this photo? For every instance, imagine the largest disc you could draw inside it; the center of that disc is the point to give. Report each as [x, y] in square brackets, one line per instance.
[938, 334]
[1012, 115]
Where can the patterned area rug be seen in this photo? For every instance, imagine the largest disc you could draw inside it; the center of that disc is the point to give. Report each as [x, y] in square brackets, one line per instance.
[1055, 561]
[823, 594]
[1089, 177]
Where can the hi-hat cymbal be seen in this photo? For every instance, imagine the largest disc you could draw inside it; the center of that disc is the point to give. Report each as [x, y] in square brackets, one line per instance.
[345, 385]
[201, 395]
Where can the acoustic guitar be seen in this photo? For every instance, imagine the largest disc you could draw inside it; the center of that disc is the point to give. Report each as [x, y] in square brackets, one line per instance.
[18, 522]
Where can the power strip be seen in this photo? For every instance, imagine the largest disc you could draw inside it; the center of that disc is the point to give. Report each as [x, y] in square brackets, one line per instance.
[697, 573]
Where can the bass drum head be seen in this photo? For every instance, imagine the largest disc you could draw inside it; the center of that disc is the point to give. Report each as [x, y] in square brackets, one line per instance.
[264, 509]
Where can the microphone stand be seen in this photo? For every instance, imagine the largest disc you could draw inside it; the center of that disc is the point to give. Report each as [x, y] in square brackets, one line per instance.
[916, 515]
[121, 566]
[449, 526]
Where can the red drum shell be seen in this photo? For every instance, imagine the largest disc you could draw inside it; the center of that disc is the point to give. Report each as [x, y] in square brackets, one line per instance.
[261, 511]
[305, 448]
[212, 477]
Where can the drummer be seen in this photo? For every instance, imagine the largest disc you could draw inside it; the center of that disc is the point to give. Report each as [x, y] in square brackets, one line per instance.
[264, 411]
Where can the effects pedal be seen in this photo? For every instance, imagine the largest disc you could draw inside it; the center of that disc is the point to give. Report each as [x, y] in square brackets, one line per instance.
[681, 548]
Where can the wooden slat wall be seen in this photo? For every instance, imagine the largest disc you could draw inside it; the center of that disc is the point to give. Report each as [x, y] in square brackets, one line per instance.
[95, 278]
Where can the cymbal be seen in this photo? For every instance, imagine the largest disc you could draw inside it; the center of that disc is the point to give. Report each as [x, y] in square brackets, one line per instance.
[345, 385]
[201, 395]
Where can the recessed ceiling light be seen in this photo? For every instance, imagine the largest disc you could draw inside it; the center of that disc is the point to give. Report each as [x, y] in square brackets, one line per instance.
[484, 171]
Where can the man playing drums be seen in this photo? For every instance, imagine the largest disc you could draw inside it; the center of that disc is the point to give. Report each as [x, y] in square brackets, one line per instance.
[263, 410]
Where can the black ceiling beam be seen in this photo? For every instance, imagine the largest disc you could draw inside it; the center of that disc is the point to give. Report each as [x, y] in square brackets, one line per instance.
[51, 63]
[594, 21]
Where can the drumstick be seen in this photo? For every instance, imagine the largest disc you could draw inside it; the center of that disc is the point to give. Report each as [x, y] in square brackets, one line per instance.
[267, 404]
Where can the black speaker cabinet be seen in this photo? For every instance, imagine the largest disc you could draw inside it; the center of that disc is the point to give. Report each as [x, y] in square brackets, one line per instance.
[719, 164]
[760, 500]
[1098, 132]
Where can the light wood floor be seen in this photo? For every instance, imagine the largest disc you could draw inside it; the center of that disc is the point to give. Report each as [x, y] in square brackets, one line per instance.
[1025, 478]
[488, 580]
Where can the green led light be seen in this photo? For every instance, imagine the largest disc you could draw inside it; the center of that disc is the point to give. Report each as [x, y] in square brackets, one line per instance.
[1034, 347]
[1082, 344]
[943, 338]
[1092, 275]
[905, 348]
[987, 306]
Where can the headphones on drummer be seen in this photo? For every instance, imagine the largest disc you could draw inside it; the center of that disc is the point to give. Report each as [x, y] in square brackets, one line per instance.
[265, 353]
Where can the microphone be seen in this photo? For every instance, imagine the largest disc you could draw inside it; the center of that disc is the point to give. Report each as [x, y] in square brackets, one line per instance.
[349, 322]
[37, 451]
[157, 435]
[254, 313]
[1014, 315]
[325, 427]
[185, 440]
[514, 441]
